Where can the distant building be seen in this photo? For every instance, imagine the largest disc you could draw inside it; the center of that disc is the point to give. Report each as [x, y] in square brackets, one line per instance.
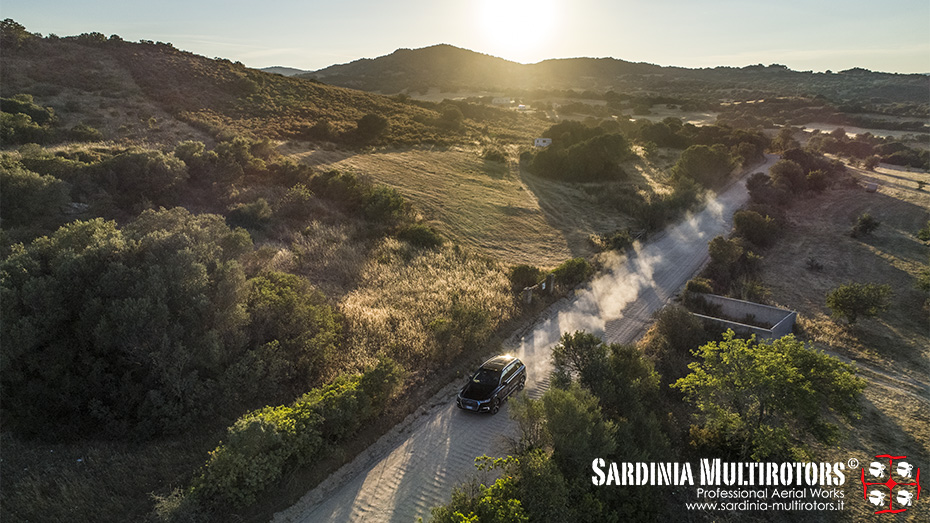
[542, 142]
[502, 101]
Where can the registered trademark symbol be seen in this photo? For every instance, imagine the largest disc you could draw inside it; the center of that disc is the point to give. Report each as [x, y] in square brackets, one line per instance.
[853, 463]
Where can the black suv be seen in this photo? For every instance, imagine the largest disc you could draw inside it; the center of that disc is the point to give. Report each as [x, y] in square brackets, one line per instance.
[495, 380]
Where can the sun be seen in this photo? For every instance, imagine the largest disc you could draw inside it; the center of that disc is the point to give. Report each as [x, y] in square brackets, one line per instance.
[514, 29]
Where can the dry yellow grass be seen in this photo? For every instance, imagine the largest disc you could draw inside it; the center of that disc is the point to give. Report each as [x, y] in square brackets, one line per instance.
[407, 299]
[492, 208]
[892, 351]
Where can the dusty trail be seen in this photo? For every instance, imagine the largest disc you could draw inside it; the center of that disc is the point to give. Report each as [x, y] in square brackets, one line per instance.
[415, 466]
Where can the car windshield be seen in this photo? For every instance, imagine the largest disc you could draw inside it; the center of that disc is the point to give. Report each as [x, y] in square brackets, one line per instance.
[487, 377]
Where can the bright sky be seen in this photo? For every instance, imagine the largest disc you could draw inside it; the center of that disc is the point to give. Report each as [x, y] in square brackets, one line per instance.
[886, 35]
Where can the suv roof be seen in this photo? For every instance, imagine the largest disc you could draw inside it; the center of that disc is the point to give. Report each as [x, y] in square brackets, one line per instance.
[498, 362]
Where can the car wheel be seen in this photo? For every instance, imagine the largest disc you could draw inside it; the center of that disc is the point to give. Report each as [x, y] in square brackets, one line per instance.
[495, 406]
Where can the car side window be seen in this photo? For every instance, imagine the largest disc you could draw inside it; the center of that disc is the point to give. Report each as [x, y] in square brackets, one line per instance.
[509, 371]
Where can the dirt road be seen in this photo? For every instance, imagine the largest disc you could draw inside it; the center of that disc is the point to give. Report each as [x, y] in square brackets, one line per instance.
[416, 465]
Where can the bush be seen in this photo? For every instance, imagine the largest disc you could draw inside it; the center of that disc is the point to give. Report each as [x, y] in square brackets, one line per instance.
[709, 166]
[287, 311]
[26, 197]
[253, 215]
[523, 276]
[85, 133]
[759, 230]
[384, 205]
[420, 236]
[573, 272]
[296, 202]
[371, 127]
[924, 233]
[120, 331]
[136, 176]
[593, 160]
[865, 224]
[765, 400]
[853, 300]
[262, 444]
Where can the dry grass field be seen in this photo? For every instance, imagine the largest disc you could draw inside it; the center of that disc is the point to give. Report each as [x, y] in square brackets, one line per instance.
[491, 208]
[892, 350]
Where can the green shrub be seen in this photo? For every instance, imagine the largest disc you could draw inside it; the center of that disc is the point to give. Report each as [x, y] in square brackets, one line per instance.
[289, 312]
[120, 331]
[420, 236]
[134, 176]
[853, 300]
[85, 133]
[759, 230]
[924, 233]
[865, 224]
[255, 215]
[523, 276]
[24, 104]
[27, 197]
[384, 205]
[262, 444]
[573, 272]
[709, 166]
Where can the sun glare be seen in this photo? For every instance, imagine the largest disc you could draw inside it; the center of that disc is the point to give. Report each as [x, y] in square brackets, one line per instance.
[516, 29]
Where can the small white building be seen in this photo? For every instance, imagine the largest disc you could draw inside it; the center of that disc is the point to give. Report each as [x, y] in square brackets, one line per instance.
[542, 142]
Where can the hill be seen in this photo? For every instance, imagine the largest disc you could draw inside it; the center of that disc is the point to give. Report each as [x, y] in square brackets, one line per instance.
[453, 69]
[283, 71]
[127, 89]
[456, 69]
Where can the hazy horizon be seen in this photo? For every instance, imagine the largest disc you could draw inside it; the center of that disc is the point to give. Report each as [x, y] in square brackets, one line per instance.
[312, 35]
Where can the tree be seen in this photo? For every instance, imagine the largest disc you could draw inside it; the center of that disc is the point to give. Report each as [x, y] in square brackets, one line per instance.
[852, 300]
[760, 399]
[108, 330]
[789, 176]
[708, 165]
[784, 141]
[371, 127]
[759, 230]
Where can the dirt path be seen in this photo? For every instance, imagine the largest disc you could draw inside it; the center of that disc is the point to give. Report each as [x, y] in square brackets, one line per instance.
[416, 465]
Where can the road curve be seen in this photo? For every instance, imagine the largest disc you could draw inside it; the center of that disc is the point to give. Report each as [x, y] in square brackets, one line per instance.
[417, 464]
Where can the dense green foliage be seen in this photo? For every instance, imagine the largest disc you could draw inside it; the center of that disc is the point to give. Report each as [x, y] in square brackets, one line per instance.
[23, 121]
[797, 174]
[262, 444]
[760, 400]
[730, 260]
[420, 236]
[854, 300]
[27, 197]
[523, 276]
[760, 230]
[709, 166]
[377, 203]
[581, 154]
[572, 272]
[121, 330]
[871, 148]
